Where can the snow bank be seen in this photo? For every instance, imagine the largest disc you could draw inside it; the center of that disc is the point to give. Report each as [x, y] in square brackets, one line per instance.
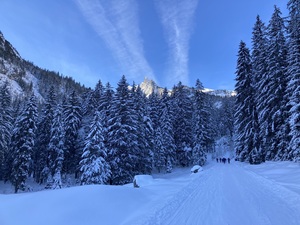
[142, 180]
[196, 169]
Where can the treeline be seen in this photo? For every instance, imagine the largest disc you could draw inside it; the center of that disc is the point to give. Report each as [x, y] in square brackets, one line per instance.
[267, 118]
[106, 136]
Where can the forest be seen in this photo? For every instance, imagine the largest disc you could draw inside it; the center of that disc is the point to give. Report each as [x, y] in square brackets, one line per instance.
[106, 135]
[267, 116]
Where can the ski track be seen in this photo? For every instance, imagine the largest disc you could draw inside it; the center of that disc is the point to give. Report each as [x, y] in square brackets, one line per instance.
[230, 195]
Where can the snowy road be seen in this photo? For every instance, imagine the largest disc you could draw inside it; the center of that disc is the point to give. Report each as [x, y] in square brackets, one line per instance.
[229, 194]
[233, 194]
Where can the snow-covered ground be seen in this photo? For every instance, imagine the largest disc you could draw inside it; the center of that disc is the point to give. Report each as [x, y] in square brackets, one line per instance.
[232, 194]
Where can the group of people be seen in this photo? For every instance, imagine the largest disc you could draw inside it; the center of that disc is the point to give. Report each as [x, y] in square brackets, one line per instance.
[223, 160]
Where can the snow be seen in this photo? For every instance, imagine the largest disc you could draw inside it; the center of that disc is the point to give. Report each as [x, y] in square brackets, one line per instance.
[13, 86]
[143, 180]
[234, 194]
[196, 168]
[31, 79]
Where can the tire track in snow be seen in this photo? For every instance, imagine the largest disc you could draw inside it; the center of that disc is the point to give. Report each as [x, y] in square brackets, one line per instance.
[229, 194]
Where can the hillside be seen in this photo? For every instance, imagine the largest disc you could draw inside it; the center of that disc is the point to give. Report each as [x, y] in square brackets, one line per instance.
[23, 76]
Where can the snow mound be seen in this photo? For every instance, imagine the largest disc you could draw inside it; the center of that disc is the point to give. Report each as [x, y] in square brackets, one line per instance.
[196, 169]
[142, 180]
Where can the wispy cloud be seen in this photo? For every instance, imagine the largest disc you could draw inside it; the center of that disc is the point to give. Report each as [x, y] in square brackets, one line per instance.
[116, 22]
[177, 20]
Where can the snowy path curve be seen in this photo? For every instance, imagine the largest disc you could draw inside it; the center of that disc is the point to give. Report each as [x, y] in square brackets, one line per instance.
[230, 194]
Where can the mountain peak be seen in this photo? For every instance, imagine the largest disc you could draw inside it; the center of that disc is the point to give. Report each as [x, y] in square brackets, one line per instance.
[148, 86]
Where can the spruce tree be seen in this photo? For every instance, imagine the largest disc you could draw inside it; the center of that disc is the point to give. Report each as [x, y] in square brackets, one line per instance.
[246, 122]
[22, 145]
[43, 138]
[55, 149]
[72, 115]
[200, 124]
[122, 128]
[182, 123]
[274, 103]
[144, 132]
[6, 126]
[293, 74]
[260, 79]
[167, 132]
[93, 164]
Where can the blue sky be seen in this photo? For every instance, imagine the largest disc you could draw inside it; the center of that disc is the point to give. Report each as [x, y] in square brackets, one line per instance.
[166, 40]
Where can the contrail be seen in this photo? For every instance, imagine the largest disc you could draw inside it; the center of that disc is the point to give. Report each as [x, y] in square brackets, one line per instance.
[176, 17]
[116, 22]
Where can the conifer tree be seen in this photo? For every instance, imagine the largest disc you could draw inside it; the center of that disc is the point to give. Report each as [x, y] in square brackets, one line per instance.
[6, 127]
[200, 124]
[43, 138]
[144, 132]
[22, 145]
[122, 127]
[55, 149]
[72, 116]
[105, 105]
[93, 164]
[260, 79]
[182, 123]
[293, 74]
[246, 143]
[167, 132]
[274, 102]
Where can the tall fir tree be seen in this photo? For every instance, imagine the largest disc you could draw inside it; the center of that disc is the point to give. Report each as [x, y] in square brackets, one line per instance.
[200, 124]
[274, 104]
[22, 145]
[72, 115]
[55, 149]
[144, 132]
[167, 131]
[122, 128]
[182, 123]
[293, 74]
[6, 126]
[260, 78]
[43, 138]
[93, 165]
[247, 144]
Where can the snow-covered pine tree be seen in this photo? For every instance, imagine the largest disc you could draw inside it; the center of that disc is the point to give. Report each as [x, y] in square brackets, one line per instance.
[228, 116]
[157, 139]
[43, 138]
[55, 149]
[22, 145]
[6, 127]
[199, 125]
[182, 123]
[144, 132]
[122, 127]
[274, 103]
[96, 96]
[104, 107]
[246, 125]
[72, 119]
[293, 74]
[93, 165]
[159, 152]
[167, 132]
[260, 79]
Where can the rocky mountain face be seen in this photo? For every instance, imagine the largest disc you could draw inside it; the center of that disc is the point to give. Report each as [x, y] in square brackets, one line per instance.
[22, 76]
[148, 86]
